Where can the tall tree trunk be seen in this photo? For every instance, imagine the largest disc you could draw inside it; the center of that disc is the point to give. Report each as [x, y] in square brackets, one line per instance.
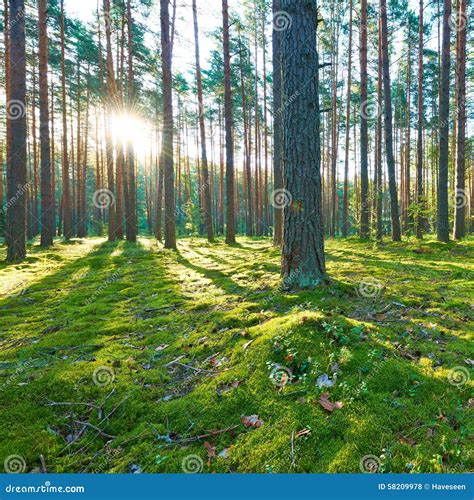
[109, 198]
[461, 195]
[229, 145]
[392, 183]
[364, 175]
[66, 190]
[419, 223]
[277, 132]
[247, 166]
[16, 115]
[202, 127]
[6, 41]
[378, 152]
[131, 200]
[47, 206]
[167, 143]
[443, 217]
[345, 203]
[303, 261]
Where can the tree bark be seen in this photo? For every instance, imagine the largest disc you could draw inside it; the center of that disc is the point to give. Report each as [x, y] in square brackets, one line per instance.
[15, 229]
[345, 202]
[394, 211]
[443, 162]
[419, 145]
[303, 261]
[229, 143]
[47, 206]
[207, 205]
[167, 143]
[461, 195]
[131, 200]
[66, 190]
[111, 101]
[364, 176]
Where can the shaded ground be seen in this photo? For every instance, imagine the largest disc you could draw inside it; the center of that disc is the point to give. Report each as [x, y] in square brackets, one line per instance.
[120, 357]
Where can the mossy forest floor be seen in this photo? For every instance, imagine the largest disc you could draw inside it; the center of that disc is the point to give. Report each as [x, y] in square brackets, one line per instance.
[128, 358]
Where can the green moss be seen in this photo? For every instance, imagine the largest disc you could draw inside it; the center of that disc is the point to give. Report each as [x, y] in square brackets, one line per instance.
[171, 333]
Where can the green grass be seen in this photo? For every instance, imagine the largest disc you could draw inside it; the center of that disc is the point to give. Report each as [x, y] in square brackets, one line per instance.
[91, 305]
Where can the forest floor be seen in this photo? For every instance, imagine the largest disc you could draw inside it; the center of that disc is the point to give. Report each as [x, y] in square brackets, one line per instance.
[117, 357]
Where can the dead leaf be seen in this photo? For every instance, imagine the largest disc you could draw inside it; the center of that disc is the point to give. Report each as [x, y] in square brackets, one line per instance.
[161, 347]
[251, 421]
[328, 405]
[408, 441]
[211, 450]
[223, 388]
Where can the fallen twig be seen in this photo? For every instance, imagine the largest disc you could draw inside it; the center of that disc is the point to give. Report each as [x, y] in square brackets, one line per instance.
[98, 429]
[203, 436]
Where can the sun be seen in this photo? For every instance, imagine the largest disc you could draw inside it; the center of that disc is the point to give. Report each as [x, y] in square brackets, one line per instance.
[128, 127]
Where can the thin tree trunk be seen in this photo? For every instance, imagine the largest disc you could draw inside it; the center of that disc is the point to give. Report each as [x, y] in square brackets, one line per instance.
[364, 176]
[47, 207]
[207, 205]
[345, 203]
[394, 212]
[109, 199]
[419, 146]
[167, 143]
[229, 145]
[443, 217]
[131, 199]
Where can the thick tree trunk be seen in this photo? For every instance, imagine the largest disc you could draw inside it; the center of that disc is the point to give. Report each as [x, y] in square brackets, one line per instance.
[303, 261]
[277, 132]
[364, 175]
[47, 206]
[167, 143]
[15, 229]
[443, 217]
[394, 212]
[461, 195]
[229, 143]
[207, 205]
